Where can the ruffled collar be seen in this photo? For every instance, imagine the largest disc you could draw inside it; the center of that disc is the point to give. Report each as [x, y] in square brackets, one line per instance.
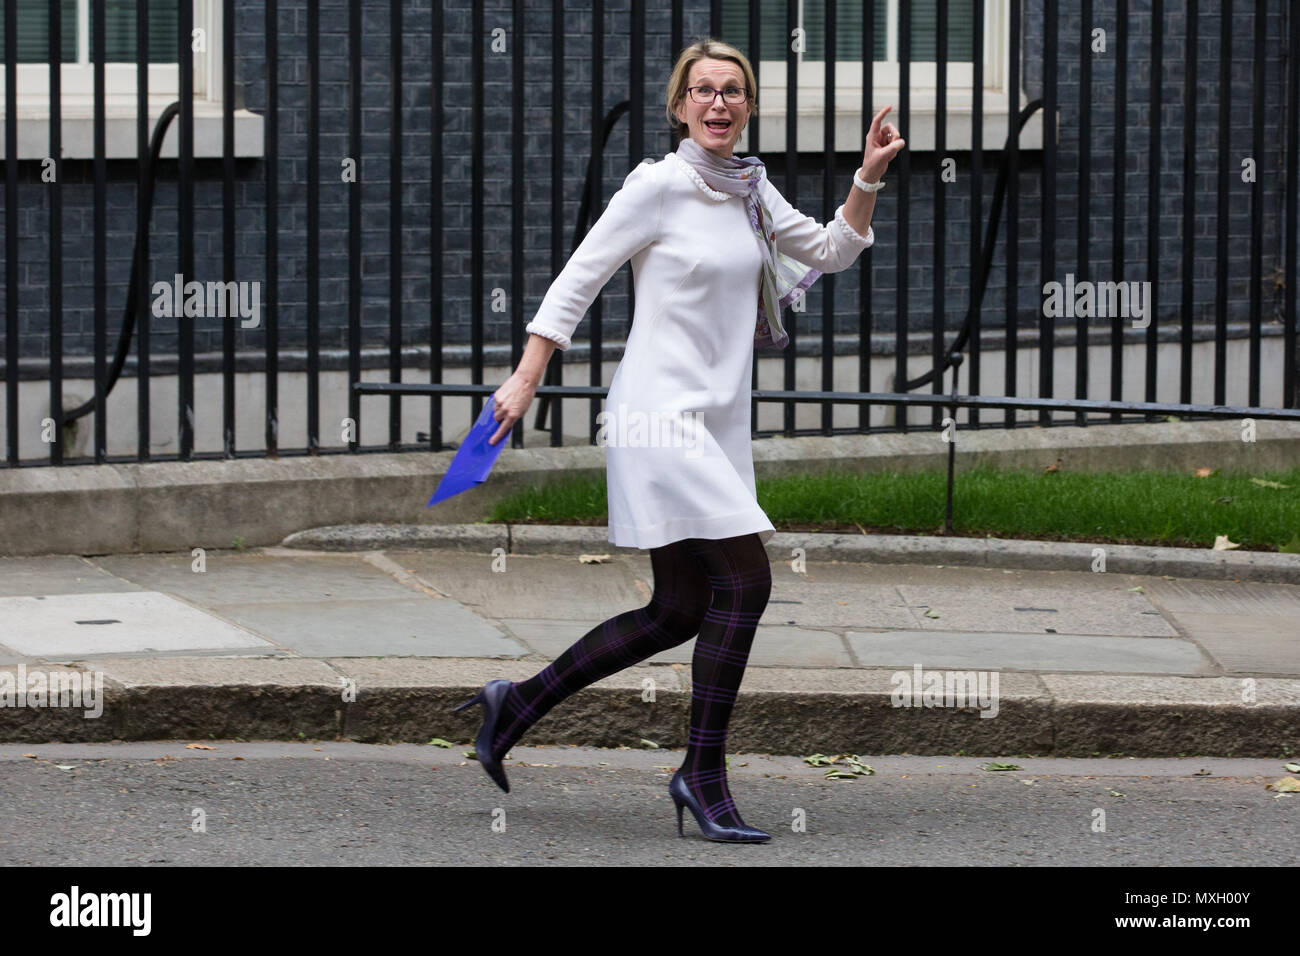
[696, 178]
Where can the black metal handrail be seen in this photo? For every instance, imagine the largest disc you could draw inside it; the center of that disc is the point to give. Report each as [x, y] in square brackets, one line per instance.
[132, 291]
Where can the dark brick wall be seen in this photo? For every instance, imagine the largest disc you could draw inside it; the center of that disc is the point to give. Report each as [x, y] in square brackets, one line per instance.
[457, 191]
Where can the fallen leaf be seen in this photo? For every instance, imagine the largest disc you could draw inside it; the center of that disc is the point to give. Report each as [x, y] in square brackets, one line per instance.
[64, 766]
[1202, 773]
[1221, 543]
[840, 775]
[1293, 767]
[438, 742]
[593, 558]
[1268, 484]
[649, 743]
[856, 766]
[1052, 468]
[1285, 785]
[1204, 472]
[1138, 589]
[205, 747]
[33, 756]
[994, 765]
[1225, 500]
[931, 612]
[818, 760]
[1115, 793]
[236, 758]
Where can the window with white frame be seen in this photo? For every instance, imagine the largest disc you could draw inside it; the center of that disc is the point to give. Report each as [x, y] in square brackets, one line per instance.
[76, 77]
[808, 45]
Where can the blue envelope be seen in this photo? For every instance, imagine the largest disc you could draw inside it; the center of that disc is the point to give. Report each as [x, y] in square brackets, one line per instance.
[475, 457]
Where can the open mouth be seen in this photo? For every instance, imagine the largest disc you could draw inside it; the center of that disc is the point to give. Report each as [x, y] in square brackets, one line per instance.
[718, 126]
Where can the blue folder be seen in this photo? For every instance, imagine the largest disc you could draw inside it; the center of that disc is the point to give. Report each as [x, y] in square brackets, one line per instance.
[475, 457]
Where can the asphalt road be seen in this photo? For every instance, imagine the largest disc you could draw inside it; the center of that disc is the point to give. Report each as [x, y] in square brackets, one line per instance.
[345, 804]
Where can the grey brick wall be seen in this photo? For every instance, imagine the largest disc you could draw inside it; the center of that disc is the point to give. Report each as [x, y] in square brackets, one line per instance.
[456, 190]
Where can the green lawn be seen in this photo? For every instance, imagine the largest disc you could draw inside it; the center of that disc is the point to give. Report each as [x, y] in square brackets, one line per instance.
[1127, 507]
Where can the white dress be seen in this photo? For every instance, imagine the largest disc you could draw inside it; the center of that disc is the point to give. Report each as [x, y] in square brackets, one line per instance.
[676, 426]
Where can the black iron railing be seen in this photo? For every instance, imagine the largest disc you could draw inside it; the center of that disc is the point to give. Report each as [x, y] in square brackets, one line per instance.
[1273, 117]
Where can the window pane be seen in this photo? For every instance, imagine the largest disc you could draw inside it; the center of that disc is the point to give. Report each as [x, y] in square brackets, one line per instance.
[961, 29]
[34, 31]
[735, 27]
[119, 29]
[848, 30]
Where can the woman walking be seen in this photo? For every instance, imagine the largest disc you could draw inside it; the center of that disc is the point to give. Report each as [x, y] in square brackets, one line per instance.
[716, 254]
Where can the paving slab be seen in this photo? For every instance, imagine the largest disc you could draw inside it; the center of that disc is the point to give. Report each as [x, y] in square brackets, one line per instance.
[64, 625]
[1250, 645]
[796, 601]
[234, 578]
[10, 656]
[409, 626]
[1249, 628]
[1041, 652]
[1037, 610]
[57, 574]
[558, 587]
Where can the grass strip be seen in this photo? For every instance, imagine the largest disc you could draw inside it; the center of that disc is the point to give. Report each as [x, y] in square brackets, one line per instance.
[1141, 507]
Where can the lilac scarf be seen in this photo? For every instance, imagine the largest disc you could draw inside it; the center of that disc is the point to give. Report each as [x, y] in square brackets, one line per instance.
[783, 279]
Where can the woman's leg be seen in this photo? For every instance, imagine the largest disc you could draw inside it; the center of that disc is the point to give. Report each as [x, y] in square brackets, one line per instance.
[673, 616]
[741, 578]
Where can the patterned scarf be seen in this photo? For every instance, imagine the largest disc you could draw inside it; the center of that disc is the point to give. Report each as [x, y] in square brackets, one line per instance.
[782, 279]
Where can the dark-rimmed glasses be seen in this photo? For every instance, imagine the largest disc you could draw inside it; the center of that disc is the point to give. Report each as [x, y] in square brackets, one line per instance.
[705, 95]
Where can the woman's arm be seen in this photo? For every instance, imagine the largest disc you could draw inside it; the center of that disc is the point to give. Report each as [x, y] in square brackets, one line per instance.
[629, 223]
[835, 246]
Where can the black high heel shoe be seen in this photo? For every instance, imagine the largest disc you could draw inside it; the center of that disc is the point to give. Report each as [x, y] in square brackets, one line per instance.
[682, 796]
[492, 696]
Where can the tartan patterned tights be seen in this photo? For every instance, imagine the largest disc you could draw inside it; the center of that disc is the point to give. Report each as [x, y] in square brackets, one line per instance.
[716, 588]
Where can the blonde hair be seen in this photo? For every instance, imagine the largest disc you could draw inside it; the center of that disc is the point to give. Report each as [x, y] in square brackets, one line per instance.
[705, 49]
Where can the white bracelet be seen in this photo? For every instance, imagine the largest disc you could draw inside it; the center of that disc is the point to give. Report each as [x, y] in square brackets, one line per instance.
[865, 186]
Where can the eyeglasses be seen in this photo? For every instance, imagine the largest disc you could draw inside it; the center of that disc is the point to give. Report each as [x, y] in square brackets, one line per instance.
[705, 95]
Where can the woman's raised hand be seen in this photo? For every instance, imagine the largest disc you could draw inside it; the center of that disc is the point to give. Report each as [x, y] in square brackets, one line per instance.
[883, 144]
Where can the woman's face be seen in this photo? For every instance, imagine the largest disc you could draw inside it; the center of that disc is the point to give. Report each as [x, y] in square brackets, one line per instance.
[716, 126]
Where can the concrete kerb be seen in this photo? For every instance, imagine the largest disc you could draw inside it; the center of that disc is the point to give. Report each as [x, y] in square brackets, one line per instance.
[787, 710]
[821, 546]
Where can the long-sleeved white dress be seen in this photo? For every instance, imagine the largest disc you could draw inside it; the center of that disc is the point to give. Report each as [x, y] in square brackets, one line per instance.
[677, 429]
